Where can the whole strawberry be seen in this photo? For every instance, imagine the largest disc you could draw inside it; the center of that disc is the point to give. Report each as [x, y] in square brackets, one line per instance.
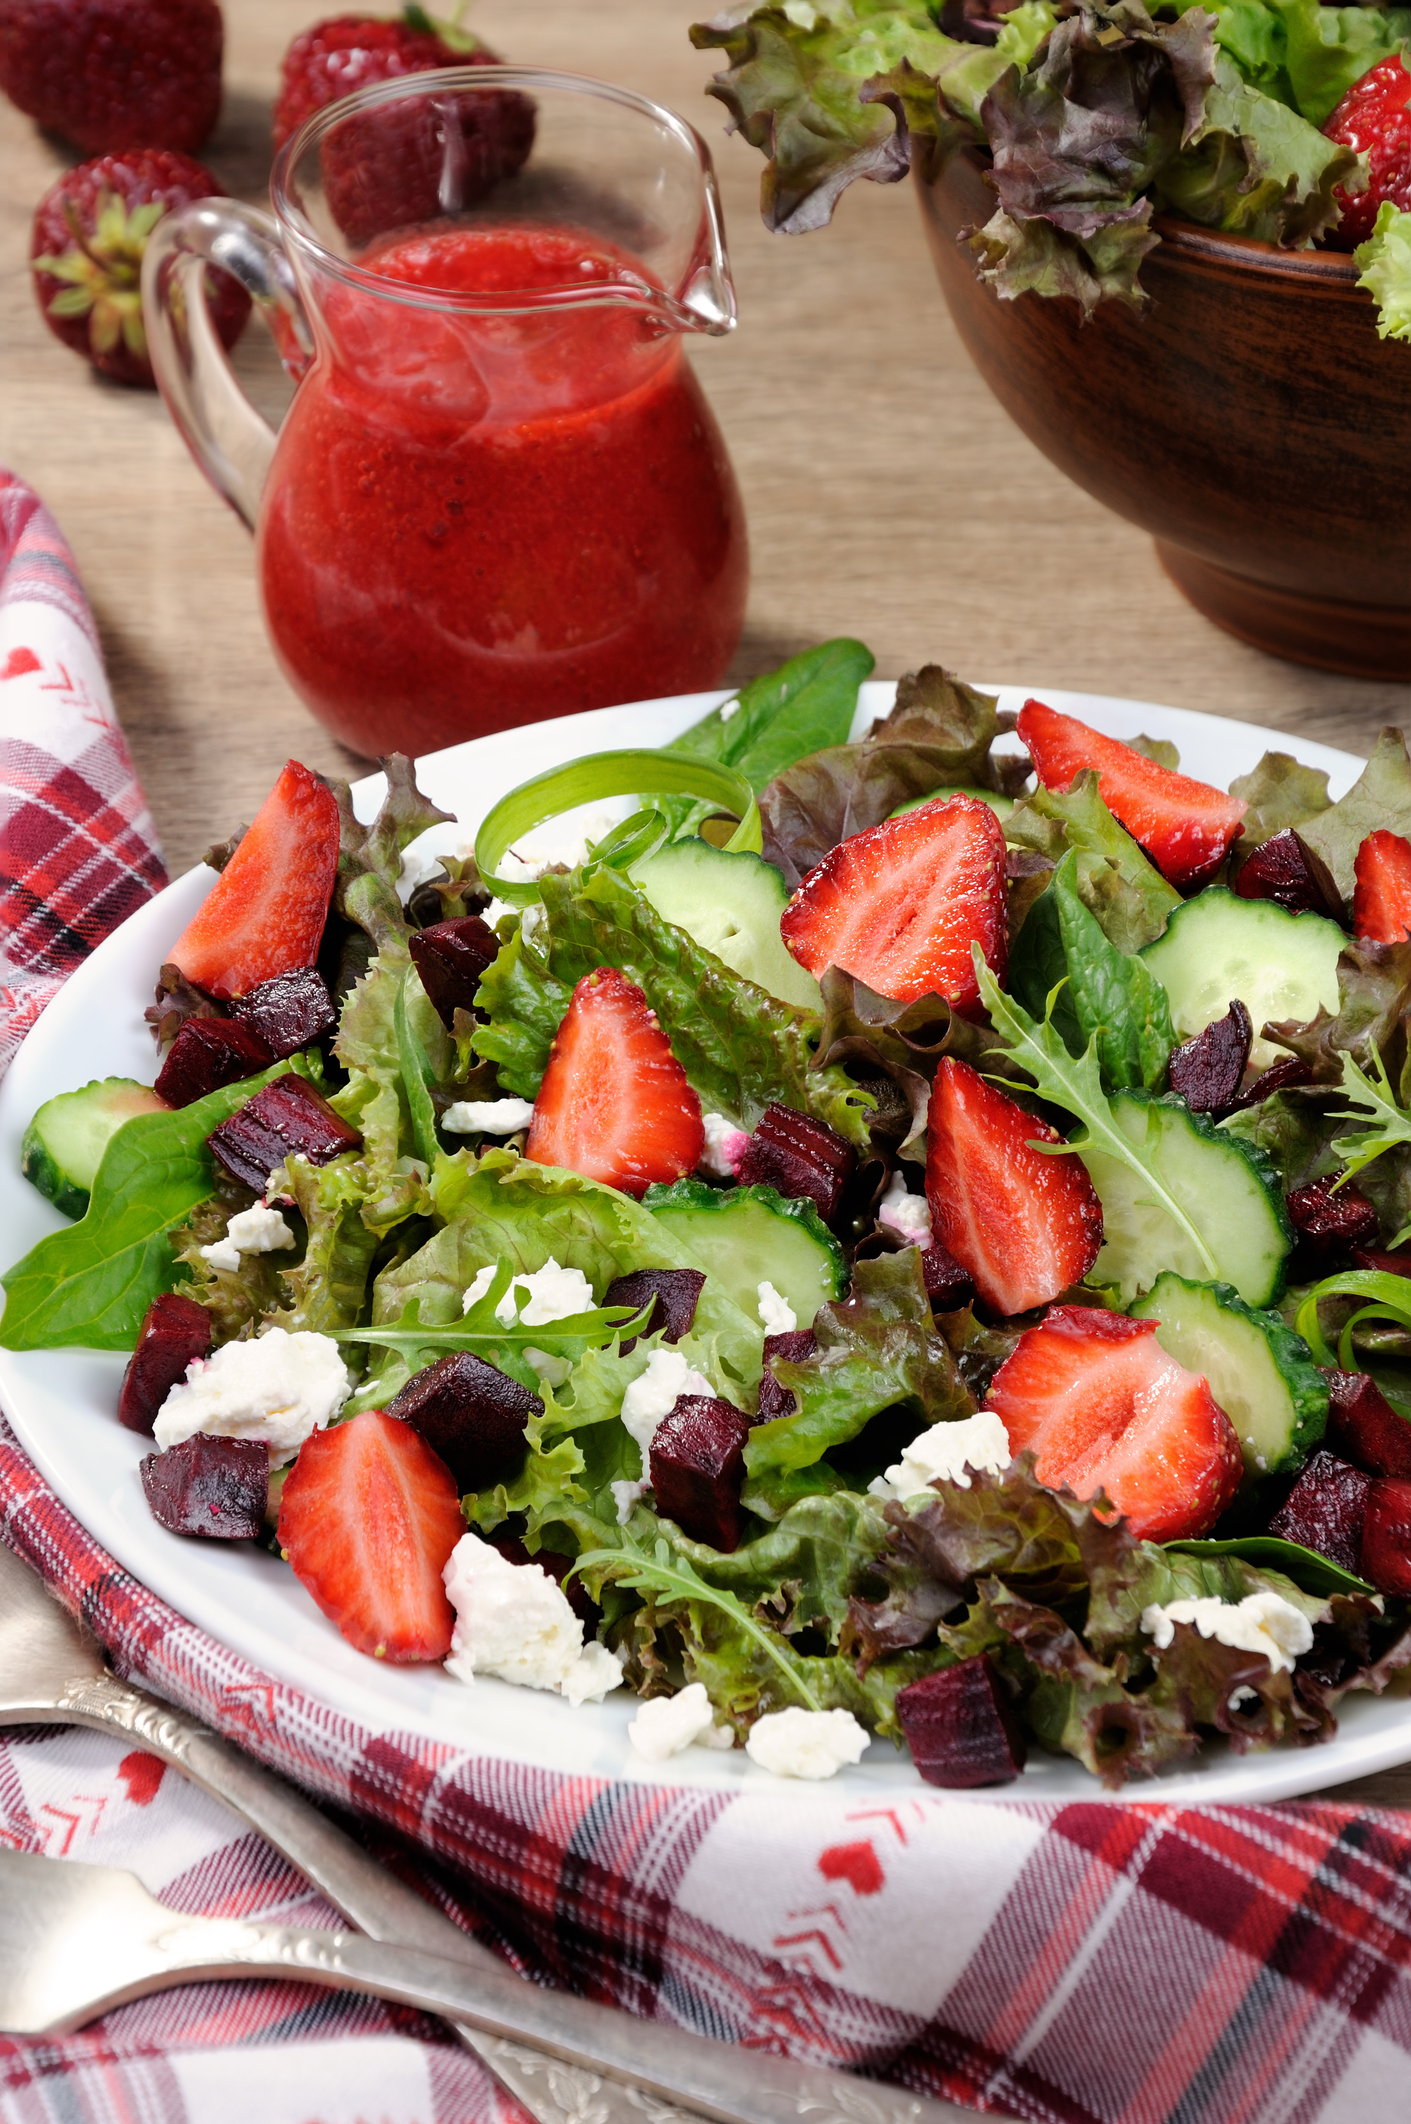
[385, 169]
[90, 233]
[1374, 117]
[113, 74]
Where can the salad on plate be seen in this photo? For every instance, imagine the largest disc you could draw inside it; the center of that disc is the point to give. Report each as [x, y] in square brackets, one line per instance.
[894, 1242]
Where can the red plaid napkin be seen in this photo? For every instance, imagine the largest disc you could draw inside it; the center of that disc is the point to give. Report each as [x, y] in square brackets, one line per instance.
[1081, 1964]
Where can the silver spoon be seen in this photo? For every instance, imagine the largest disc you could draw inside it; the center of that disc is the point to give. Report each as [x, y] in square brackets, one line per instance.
[52, 1673]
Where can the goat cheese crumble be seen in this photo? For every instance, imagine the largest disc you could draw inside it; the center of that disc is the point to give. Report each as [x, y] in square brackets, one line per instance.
[724, 1146]
[487, 1117]
[280, 1388]
[260, 1230]
[514, 1621]
[945, 1452]
[812, 1744]
[551, 1293]
[1261, 1622]
[776, 1312]
[664, 1725]
[905, 1215]
[655, 1392]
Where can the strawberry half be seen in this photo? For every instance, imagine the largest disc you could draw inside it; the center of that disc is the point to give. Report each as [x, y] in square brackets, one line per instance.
[1026, 1224]
[1185, 827]
[1381, 901]
[266, 911]
[900, 904]
[1100, 1404]
[614, 1104]
[368, 1517]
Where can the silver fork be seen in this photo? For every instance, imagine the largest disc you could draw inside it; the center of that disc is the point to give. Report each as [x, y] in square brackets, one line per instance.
[567, 2060]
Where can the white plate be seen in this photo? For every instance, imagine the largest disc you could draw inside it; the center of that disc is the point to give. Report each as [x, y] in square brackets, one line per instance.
[62, 1402]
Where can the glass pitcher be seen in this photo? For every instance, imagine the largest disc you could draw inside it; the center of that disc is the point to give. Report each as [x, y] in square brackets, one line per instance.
[499, 493]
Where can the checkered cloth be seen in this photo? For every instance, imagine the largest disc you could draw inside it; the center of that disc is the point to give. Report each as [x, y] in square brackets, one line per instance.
[1085, 1964]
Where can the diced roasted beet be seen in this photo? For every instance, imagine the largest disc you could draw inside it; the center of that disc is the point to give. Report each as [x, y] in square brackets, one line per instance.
[1325, 1508]
[1375, 1257]
[1208, 1070]
[287, 1116]
[207, 1053]
[1386, 1537]
[961, 1727]
[1365, 1428]
[218, 1487]
[287, 1012]
[1286, 870]
[558, 1567]
[450, 958]
[775, 1400]
[470, 1414]
[1280, 1076]
[948, 1286]
[677, 1293]
[1328, 1224]
[176, 1331]
[698, 1468]
[799, 1156]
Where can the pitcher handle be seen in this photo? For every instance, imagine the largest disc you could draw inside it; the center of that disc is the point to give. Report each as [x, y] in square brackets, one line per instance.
[231, 442]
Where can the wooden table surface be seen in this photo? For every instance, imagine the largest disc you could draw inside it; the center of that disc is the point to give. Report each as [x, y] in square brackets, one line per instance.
[888, 496]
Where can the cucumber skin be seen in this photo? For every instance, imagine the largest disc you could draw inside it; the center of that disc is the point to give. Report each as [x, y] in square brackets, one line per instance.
[699, 1195]
[1289, 1353]
[41, 1167]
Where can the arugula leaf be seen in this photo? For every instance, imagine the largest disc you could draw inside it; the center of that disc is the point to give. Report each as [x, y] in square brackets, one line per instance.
[1389, 1128]
[1381, 796]
[781, 717]
[1051, 821]
[1384, 268]
[1279, 792]
[89, 1286]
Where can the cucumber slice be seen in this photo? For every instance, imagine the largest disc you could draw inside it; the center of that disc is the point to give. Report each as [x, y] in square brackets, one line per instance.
[745, 1236]
[1000, 805]
[1227, 1190]
[1218, 948]
[730, 904]
[1260, 1372]
[64, 1143]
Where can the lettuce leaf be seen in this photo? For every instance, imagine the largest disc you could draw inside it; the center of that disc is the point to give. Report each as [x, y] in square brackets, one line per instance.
[523, 1006]
[1257, 168]
[370, 857]
[1279, 792]
[1384, 265]
[1116, 883]
[1301, 54]
[1373, 1017]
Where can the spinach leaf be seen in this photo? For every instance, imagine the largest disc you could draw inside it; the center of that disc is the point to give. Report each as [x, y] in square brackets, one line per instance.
[1310, 1572]
[1117, 1001]
[783, 716]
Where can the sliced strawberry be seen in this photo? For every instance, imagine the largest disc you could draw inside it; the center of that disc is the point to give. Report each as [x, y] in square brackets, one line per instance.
[1185, 827]
[1025, 1224]
[900, 905]
[265, 913]
[368, 1518]
[614, 1103]
[1381, 902]
[1102, 1407]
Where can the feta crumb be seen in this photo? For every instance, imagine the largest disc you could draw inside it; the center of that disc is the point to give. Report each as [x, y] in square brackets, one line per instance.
[655, 1392]
[552, 1370]
[496, 911]
[907, 1215]
[514, 1621]
[777, 1314]
[529, 920]
[811, 1744]
[488, 1117]
[1261, 1622]
[553, 1293]
[731, 707]
[480, 1284]
[718, 1737]
[625, 1496]
[945, 1452]
[724, 1147]
[667, 1724]
[280, 1388]
[1243, 1696]
[260, 1230]
[417, 866]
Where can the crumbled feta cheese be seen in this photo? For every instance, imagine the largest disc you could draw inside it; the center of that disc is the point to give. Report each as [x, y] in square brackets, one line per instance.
[480, 1284]
[487, 1117]
[514, 1621]
[529, 920]
[552, 1370]
[667, 1724]
[907, 1215]
[655, 1392]
[495, 912]
[260, 1230]
[813, 1744]
[945, 1452]
[777, 1314]
[730, 708]
[554, 1293]
[625, 1496]
[417, 866]
[280, 1388]
[724, 1146]
[1261, 1622]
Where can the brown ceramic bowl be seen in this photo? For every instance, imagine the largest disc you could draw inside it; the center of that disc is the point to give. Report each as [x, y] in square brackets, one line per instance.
[1250, 419]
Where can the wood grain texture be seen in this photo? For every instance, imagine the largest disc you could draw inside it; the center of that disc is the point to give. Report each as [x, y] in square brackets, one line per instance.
[888, 494]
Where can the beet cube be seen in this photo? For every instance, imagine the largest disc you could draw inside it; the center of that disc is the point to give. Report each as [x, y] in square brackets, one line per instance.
[218, 1487]
[961, 1727]
[176, 1331]
[948, 1285]
[287, 1012]
[795, 1348]
[471, 1415]
[1285, 869]
[1386, 1537]
[287, 1116]
[677, 1293]
[558, 1567]
[1365, 1428]
[207, 1053]
[1328, 1224]
[1208, 1070]
[800, 1157]
[698, 1468]
[1325, 1509]
[1375, 1257]
[450, 957]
